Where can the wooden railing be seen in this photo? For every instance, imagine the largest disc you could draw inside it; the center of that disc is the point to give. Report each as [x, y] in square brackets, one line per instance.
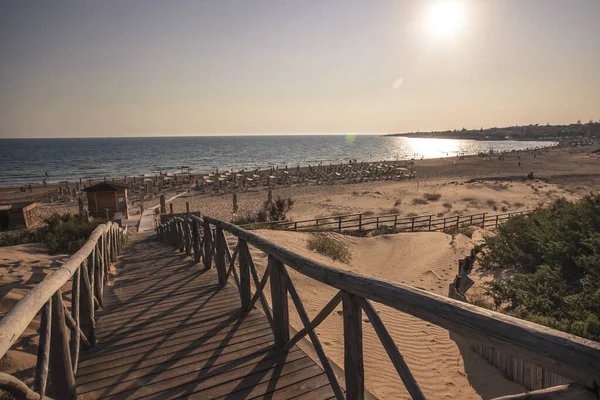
[573, 357]
[58, 351]
[362, 222]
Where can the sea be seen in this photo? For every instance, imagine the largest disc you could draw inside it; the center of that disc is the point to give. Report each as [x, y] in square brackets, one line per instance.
[30, 161]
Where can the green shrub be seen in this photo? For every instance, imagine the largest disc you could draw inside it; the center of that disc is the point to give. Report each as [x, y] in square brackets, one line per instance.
[329, 247]
[555, 254]
[14, 238]
[67, 233]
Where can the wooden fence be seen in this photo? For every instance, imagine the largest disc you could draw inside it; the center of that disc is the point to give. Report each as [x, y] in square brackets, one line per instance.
[204, 238]
[58, 350]
[518, 370]
[363, 222]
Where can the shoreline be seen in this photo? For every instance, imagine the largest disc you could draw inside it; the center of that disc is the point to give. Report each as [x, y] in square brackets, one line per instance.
[268, 166]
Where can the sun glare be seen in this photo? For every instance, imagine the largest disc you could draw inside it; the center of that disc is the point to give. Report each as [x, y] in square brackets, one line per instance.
[446, 18]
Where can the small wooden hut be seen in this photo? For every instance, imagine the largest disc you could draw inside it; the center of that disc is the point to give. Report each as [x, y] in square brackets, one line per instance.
[107, 195]
[19, 215]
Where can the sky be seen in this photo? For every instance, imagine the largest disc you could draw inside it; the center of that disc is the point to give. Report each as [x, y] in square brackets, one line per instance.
[214, 67]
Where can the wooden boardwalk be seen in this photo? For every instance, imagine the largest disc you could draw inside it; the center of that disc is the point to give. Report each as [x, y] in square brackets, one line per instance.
[169, 331]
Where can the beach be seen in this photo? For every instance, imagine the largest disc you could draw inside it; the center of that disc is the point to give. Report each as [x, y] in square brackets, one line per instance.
[442, 362]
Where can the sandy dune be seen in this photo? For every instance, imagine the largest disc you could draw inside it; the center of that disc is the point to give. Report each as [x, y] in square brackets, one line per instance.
[442, 363]
[21, 268]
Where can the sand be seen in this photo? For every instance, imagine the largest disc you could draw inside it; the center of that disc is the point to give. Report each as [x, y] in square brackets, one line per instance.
[21, 268]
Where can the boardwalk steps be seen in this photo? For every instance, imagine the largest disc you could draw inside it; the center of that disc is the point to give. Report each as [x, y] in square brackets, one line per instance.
[168, 330]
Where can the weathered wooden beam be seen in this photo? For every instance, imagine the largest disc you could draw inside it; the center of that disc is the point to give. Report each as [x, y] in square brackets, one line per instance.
[17, 388]
[263, 282]
[207, 246]
[244, 263]
[61, 369]
[390, 347]
[220, 257]
[353, 348]
[572, 391]
[568, 355]
[196, 240]
[337, 390]
[43, 356]
[279, 301]
[87, 321]
[259, 291]
[75, 337]
[324, 313]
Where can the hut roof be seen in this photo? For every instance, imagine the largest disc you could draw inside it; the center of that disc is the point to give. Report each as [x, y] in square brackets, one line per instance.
[16, 206]
[105, 187]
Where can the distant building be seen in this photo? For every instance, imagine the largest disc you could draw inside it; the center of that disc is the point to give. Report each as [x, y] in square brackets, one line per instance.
[107, 195]
[19, 215]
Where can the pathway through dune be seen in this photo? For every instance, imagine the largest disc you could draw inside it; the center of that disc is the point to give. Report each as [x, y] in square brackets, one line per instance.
[442, 362]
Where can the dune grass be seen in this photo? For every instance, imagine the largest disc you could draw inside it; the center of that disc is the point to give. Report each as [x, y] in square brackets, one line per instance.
[329, 247]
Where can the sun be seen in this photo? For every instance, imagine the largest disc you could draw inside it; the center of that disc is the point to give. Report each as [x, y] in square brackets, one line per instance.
[446, 18]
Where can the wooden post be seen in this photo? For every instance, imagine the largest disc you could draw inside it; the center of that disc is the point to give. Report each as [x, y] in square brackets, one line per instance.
[360, 222]
[187, 208]
[279, 301]
[497, 220]
[429, 223]
[483, 221]
[180, 236]
[412, 224]
[377, 222]
[220, 257]
[75, 338]
[353, 347]
[99, 271]
[61, 370]
[207, 246]
[86, 311]
[457, 221]
[163, 205]
[444, 223]
[340, 223]
[196, 240]
[43, 356]
[171, 208]
[244, 254]
[395, 220]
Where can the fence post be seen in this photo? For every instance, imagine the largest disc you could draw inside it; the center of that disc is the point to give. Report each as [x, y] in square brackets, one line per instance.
[196, 239]
[220, 256]
[207, 246]
[360, 222]
[279, 301]
[353, 347]
[430, 223]
[412, 224]
[377, 222]
[483, 221]
[295, 226]
[244, 254]
[395, 220]
[87, 321]
[457, 221]
[340, 223]
[444, 223]
[471, 222]
[61, 370]
[497, 220]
